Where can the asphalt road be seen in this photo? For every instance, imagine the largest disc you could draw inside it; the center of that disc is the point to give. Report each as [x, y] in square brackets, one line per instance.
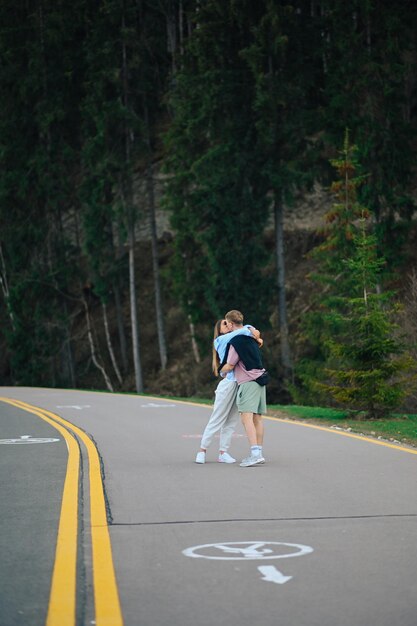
[324, 534]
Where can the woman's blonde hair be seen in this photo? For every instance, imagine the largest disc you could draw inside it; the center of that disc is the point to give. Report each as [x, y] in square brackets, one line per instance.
[215, 362]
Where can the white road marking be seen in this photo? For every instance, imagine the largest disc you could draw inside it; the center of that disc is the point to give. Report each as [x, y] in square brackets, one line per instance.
[250, 551]
[272, 575]
[28, 439]
[246, 550]
[153, 405]
[79, 407]
[234, 436]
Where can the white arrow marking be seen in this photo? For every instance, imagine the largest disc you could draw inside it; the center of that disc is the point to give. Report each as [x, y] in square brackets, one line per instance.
[272, 575]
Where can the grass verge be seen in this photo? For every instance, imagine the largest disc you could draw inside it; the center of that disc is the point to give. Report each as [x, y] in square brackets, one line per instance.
[400, 428]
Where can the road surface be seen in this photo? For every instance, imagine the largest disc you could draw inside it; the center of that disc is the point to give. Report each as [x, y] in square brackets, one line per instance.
[106, 519]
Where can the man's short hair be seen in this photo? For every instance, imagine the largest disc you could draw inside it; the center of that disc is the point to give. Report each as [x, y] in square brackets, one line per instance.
[236, 317]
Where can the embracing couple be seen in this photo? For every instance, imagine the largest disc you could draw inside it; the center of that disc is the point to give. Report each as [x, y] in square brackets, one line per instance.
[242, 390]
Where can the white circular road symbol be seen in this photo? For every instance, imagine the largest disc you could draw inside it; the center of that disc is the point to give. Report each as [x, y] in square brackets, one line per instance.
[28, 439]
[247, 550]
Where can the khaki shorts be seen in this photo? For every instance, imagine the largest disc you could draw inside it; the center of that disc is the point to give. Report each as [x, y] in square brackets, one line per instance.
[251, 398]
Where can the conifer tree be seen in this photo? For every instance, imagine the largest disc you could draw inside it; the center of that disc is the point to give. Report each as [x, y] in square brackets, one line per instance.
[214, 192]
[125, 74]
[283, 75]
[370, 53]
[38, 137]
[367, 361]
[364, 363]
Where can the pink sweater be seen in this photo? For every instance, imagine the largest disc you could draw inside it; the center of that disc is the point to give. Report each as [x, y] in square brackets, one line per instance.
[242, 375]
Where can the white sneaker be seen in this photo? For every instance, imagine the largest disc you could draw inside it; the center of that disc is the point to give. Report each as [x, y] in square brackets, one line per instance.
[252, 460]
[201, 457]
[226, 458]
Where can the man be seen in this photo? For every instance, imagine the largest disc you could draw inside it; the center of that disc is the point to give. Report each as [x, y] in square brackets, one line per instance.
[244, 358]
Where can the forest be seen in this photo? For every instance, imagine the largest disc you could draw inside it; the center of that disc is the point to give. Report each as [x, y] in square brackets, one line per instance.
[152, 153]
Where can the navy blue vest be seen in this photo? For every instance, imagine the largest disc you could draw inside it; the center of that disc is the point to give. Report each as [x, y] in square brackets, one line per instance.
[248, 351]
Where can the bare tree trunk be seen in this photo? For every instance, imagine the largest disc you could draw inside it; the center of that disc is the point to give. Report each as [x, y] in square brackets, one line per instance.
[67, 355]
[282, 306]
[194, 344]
[5, 287]
[181, 26]
[93, 349]
[110, 345]
[134, 313]
[70, 362]
[126, 188]
[172, 36]
[120, 327]
[155, 266]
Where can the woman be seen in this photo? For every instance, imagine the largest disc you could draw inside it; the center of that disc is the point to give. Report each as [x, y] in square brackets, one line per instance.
[224, 416]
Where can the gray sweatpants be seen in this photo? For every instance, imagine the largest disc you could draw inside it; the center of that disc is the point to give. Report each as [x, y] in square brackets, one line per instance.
[224, 416]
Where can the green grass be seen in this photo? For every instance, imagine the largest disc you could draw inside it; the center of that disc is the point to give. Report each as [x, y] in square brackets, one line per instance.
[401, 428]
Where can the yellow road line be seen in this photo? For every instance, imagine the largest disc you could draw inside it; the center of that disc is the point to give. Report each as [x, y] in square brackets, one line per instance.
[378, 442]
[62, 599]
[106, 596]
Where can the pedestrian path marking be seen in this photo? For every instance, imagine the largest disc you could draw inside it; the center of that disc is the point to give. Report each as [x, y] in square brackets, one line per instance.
[252, 551]
[106, 597]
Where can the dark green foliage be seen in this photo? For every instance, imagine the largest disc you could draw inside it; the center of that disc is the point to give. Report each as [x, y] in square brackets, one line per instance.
[241, 104]
[370, 60]
[39, 140]
[215, 193]
[364, 362]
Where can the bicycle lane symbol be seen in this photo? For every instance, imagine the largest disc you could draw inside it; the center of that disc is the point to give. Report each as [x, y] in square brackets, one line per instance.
[251, 551]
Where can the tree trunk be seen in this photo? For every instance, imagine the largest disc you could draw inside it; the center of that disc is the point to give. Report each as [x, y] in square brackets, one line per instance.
[171, 36]
[194, 344]
[134, 313]
[120, 327]
[5, 287]
[67, 355]
[93, 349]
[126, 189]
[282, 306]
[155, 266]
[110, 345]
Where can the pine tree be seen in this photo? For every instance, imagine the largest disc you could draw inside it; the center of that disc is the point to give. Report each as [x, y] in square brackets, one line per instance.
[282, 64]
[39, 141]
[365, 364]
[125, 74]
[214, 192]
[369, 49]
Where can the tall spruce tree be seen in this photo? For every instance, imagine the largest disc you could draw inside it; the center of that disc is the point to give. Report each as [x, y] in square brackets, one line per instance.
[214, 191]
[364, 364]
[284, 74]
[39, 140]
[124, 81]
[370, 53]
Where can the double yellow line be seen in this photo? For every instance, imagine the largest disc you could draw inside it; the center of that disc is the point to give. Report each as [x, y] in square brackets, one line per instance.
[62, 600]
